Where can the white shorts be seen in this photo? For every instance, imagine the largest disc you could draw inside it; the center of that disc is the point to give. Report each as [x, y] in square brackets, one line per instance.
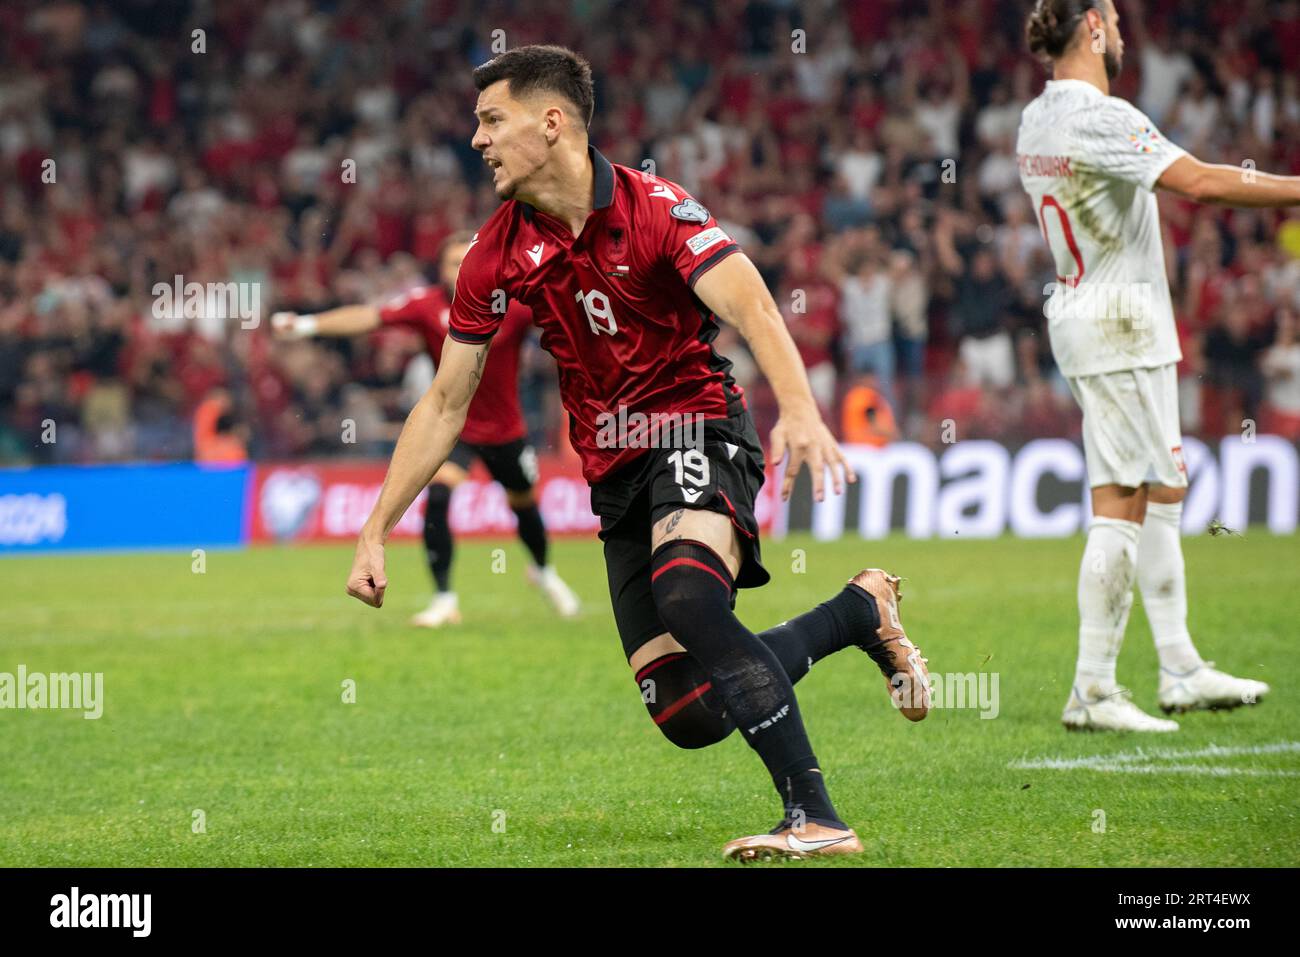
[1131, 432]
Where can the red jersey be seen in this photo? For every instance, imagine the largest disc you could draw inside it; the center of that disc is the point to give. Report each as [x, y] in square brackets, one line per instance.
[494, 415]
[615, 304]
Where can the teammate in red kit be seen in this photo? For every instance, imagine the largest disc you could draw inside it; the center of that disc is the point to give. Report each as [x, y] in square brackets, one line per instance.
[494, 427]
[626, 276]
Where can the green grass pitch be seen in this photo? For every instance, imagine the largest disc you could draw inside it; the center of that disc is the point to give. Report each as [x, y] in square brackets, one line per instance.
[519, 740]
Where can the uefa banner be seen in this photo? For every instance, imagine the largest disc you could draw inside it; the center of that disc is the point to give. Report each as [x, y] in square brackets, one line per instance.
[330, 501]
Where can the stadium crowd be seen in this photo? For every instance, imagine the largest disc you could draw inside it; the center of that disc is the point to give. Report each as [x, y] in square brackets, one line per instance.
[861, 153]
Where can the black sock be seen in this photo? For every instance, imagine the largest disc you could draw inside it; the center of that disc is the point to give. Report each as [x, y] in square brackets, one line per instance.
[692, 592]
[804, 795]
[847, 619]
[437, 535]
[532, 533]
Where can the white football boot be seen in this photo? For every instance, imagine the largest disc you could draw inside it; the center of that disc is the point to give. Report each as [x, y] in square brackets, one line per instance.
[559, 594]
[1204, 687]
[1109, 711]
[443, 610]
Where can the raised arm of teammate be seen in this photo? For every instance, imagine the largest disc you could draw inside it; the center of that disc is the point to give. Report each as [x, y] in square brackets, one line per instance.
[426, 440]
[1228, 185]
[736, 293]
[344, 321]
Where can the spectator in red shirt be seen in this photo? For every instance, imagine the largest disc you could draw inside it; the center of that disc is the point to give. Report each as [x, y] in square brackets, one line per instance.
[810, 306]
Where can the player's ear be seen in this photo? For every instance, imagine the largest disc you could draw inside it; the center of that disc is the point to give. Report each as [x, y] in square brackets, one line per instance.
[1095, 20]
[555, 123]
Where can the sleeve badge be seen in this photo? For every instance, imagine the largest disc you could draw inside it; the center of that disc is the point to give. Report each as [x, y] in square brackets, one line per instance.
[688, 210]
[1145, 140]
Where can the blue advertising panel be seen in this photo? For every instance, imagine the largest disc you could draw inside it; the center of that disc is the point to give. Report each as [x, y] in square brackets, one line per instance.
[65, 508]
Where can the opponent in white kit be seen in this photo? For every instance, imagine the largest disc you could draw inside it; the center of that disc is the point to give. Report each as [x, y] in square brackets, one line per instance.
[1090, 163]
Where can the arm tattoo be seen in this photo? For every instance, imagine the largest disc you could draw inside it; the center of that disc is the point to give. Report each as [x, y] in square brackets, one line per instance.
[479, 358]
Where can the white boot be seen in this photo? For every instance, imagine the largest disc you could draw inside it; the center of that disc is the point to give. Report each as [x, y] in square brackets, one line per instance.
[561, 596]
[1204, 687]
[443, 610]
[1113, 710]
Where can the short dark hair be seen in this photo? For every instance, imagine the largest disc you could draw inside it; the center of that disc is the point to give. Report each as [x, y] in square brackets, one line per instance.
[542, 67]
[1052, 24]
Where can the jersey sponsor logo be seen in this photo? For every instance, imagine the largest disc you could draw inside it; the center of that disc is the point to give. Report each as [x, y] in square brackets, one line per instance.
[688, 210]
[535, 254]
[710, 237]
[692, 495]
[1145, 140]
[662, 192]
[472, 243]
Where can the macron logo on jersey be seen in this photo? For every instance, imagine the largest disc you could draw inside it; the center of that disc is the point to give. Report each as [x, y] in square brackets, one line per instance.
[535, 254]
[662, 192]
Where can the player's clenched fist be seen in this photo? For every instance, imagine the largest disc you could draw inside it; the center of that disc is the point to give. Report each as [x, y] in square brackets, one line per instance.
[367, 580]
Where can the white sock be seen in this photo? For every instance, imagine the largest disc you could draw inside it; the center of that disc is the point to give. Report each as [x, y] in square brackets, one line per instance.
[1162, 578]
[1105, 595]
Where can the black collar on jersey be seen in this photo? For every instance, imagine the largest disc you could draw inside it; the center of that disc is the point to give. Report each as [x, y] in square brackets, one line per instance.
[602, 183]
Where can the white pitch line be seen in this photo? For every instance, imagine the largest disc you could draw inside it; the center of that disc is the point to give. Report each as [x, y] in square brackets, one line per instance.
[1139, 761]
[1205, 769]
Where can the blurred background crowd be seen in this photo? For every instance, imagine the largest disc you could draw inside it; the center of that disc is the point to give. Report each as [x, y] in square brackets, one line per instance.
[866, 164]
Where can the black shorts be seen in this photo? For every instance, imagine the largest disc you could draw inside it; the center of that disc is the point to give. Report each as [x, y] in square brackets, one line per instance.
[723, 475]
[513, 463]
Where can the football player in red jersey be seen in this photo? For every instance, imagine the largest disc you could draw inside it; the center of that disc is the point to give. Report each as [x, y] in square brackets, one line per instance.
[494, 428]
[627, 276]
